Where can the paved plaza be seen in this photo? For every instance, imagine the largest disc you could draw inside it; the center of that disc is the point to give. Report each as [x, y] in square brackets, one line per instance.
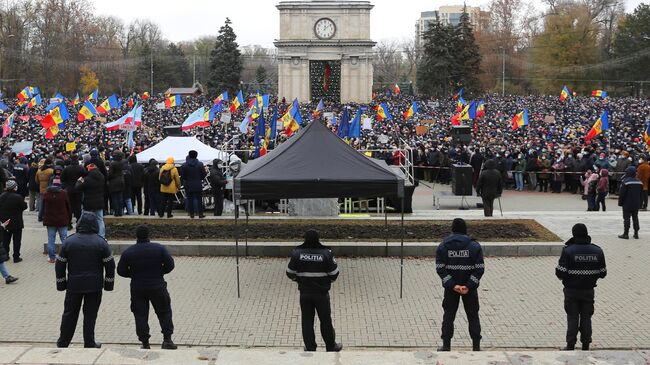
[521, 299]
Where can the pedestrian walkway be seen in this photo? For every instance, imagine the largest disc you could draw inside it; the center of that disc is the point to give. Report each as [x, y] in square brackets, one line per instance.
[217, 356]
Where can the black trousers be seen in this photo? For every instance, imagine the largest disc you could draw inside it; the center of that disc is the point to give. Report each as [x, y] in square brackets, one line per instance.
[75, 204]
[310, 304]
[167, 204]
[627, 214]
[217, 194]
[450, 306]
[162, 305]
[644, 202]
[6, 240]
[71, 307]
[146, 201]
[488, 206]
[579, 307]
[136, 197]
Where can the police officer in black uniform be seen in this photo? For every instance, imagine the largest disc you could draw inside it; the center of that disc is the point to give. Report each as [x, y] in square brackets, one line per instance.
[146, 263]
[581, 264]
[630, 197]
[90, 267]
[459, 263]
[314, 268]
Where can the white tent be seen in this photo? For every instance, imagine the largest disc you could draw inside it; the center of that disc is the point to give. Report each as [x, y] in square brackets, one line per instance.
[178, 148]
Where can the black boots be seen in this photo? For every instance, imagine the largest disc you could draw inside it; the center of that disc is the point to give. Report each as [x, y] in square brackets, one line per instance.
[168, 344]
[636, 235]
[145, 345]
[624, 236]
[446, 346]
[95, 345]
[569, 347]
[585, 347]
[476, 345]
[337, 348]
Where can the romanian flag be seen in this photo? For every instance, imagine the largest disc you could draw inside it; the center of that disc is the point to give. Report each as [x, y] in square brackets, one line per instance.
[223, 96]
[480, 109]
[93, 96]
[172, 101]
[602, 124]
[319, 109]
[564, 94]
[55, 120]
[383, 113]
[397, 91]
[412, 110]
[292, 119]
[8, 124]
[36, 100]
[520, 120]
[87, 111]
[237, 102]
[75, 101]
[599, 93]
[145, 95]
[108, 104]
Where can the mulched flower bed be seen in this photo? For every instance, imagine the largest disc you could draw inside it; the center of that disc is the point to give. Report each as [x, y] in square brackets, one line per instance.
[511, 230]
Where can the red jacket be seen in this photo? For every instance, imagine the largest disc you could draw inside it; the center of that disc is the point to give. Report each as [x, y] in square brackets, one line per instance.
[56, 208]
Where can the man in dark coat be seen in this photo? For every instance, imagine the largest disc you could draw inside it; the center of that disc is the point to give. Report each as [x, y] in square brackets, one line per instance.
[146, 263]
[97, 161]
[69, 177]
[137, 182]
[489, 186]
[12, 206]
[477, 162]
[314, 268]
[581, 265]
[21, 175]
[92, 187]
[192, 175]
[459, 263]
[630, 197]
[217, 183]
[57, 214]
[151, 188]
[83, 267]
[115, 184]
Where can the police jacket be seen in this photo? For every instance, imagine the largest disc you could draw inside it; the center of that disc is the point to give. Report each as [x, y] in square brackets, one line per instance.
[145, 263]
[630, 194]
[459, 261]
[86, 257]
[581, 264]
[313, 267]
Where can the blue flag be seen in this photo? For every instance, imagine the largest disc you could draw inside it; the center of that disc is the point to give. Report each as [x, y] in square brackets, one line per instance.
[355, 126]
[274, 124]
[344, 124]
[260, 133]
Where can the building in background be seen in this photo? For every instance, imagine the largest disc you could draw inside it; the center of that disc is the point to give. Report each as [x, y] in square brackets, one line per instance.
[450, 15]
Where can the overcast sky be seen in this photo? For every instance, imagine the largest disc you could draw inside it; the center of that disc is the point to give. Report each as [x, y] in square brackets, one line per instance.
[256, 21]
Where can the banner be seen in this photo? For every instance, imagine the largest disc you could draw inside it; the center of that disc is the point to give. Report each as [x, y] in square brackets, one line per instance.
[225, 118]
[70, 147]
[421, 130]
[24, 147]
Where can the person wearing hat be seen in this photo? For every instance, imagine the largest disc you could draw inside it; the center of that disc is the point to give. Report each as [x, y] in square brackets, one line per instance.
[314, 268]
[170, 182]
[12, 206]
[57, 214]
[630, 198]
[192, 174]
[146, 263]
[92, 186]
[217, 183]
[580, 266]
[459, 263]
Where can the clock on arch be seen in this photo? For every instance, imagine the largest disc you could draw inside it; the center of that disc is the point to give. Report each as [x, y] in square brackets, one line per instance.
[325, 28]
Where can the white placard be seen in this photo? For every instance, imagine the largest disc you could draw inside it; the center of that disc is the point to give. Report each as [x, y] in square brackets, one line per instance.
[225, 117]
[367, 123]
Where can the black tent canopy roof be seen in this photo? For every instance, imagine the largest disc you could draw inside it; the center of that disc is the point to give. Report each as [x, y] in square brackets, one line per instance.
[315, 163]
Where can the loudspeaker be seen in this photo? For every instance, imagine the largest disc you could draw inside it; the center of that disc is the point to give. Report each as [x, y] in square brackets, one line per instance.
[461, 134]
[173, 131]
[461, 180]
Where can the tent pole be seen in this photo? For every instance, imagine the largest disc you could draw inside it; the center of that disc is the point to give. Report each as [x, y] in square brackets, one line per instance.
[246, 230]
[386, 227]
[236, 240]
[401, 253]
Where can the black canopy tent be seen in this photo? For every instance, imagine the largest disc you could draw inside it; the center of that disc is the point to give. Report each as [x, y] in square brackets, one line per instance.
[315, 163]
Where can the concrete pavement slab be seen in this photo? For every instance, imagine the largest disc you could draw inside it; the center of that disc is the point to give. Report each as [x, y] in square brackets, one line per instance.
[69, 356]
[576, 358]
[132, 356]
[10, 353]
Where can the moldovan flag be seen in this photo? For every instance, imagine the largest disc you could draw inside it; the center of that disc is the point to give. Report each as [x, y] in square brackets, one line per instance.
[55, 120]
[292, 119]
[93, 96]
[599, 93]
[480, 109]
[412, 110]
[602, 124]
[87, 111]
[108, 104]
[397, 89]
[172, 101]
[8, 124]
[646, 135]
[36, 100]
[564, 94]
[469, 112]
[195, 119]
[520, 120]
[237, 102]
[383, 113]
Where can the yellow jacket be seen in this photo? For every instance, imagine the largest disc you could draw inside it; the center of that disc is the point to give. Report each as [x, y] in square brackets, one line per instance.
[176, 179]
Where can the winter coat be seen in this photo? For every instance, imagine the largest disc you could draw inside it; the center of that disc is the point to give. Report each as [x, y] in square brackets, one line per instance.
[12, 206]
[590, 184]
[581, 264]
[56, 208]
[192, 175]
[43, 178]
[93, 189]
[558, 171]
[87, 258]
[151, 181]
[115, 179]
[21, 174]
[621, 165]
[176, 179]
[603, 182]
[145, 263]
[544, 167]
[520, 165]
[631, 192]
[216, 178]
[313, 267]
[70, 175]
[101, 165]
[643, 174]
[490, 181]
[459, 261]
[33, 184]
[137, 174]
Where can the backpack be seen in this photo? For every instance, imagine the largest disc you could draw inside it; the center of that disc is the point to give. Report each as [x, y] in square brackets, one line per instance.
[166, 177]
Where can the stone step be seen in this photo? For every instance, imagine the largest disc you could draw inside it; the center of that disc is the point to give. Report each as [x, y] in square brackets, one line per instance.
[113, 355]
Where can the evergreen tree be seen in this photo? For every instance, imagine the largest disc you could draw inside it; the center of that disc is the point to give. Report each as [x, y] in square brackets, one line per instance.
[226, 64]
[180, 67]
[434, 73]
[633, 37]
[468, 57]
